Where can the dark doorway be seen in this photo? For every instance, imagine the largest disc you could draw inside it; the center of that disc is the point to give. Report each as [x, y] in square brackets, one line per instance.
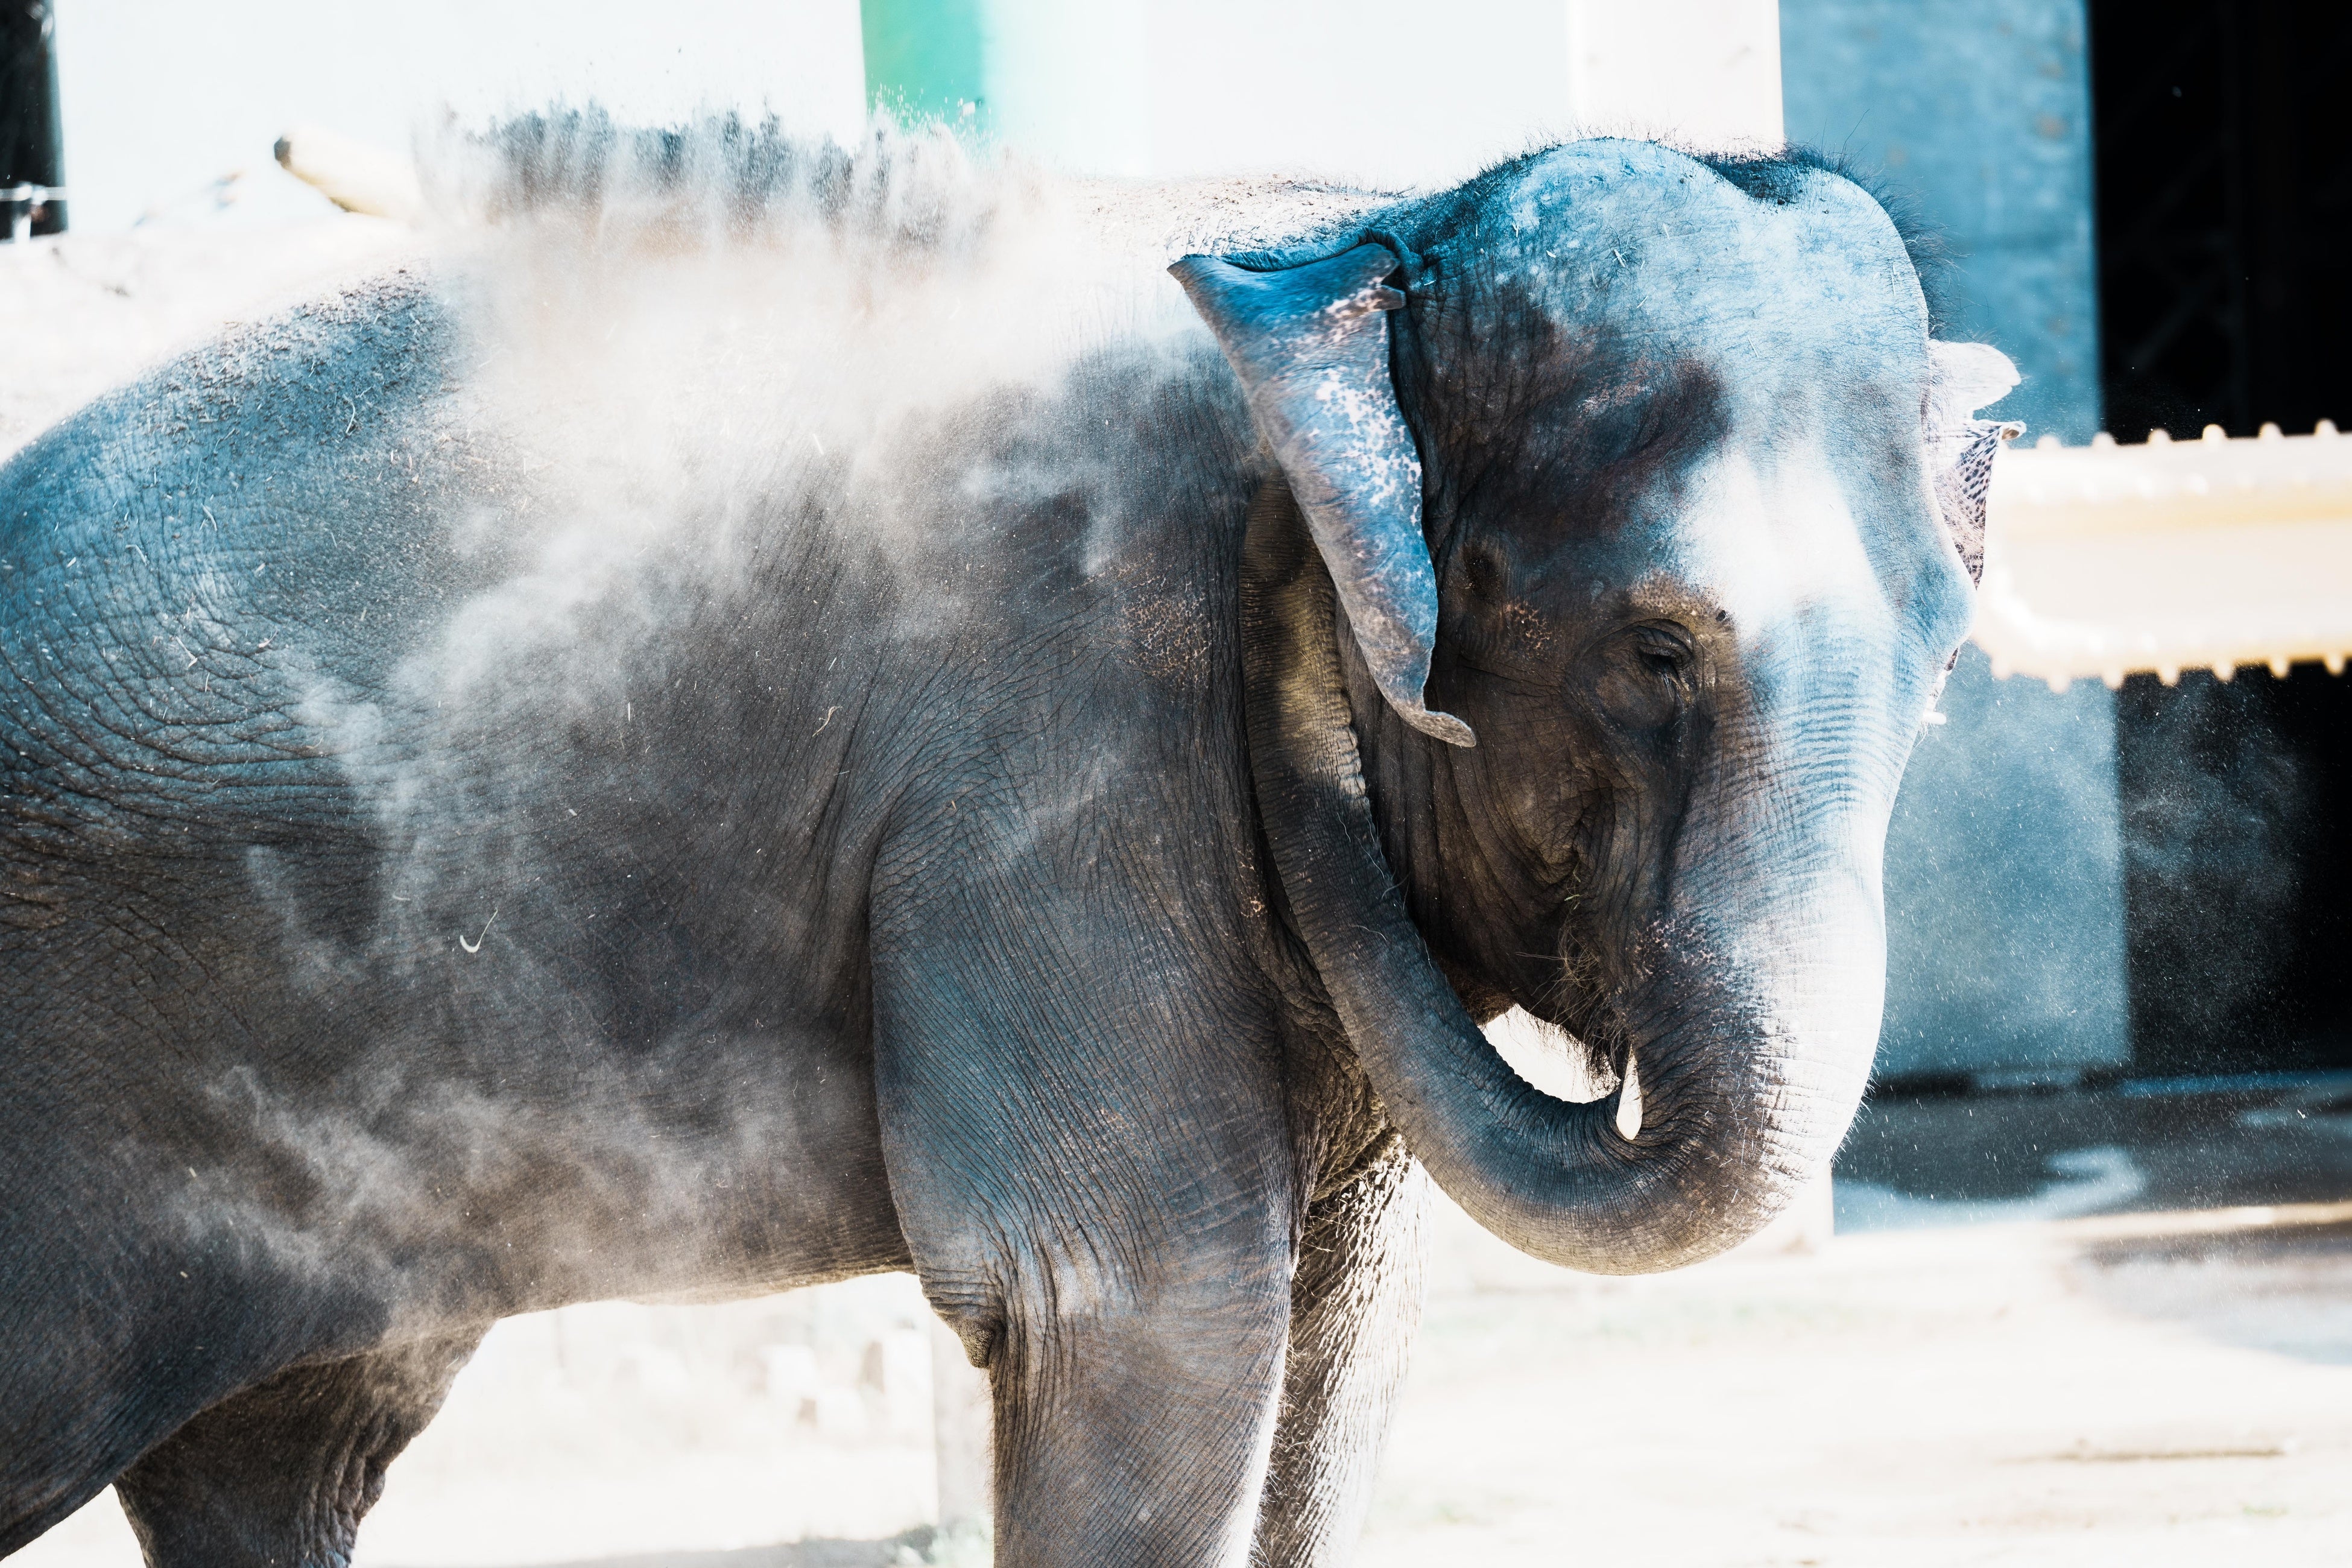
[2235, 798]
[2224, 166]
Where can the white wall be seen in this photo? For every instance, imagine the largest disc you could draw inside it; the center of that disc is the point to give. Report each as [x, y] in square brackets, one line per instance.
[1706, 72]
[1389, 92]
[161, 97]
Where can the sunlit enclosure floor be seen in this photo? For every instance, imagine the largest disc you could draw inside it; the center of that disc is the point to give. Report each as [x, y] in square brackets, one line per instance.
[2143, 1390]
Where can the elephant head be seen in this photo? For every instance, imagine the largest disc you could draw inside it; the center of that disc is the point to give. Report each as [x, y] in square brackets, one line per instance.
[1627, 473]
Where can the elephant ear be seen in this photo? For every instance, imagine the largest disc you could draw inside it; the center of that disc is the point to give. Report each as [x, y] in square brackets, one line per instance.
[1961, 448]
[1310, 344]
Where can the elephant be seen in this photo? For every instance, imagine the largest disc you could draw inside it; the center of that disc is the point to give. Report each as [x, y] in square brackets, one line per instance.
[774, 712]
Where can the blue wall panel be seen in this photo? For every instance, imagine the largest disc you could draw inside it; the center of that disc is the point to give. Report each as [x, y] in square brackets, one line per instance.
[2004, 878]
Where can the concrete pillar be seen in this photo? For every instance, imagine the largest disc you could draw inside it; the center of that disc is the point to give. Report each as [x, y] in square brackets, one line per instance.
[961, 1443]
[2004, 865]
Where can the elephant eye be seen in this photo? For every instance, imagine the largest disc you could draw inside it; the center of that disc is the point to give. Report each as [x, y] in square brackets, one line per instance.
[1664, 649]
[1646, 677]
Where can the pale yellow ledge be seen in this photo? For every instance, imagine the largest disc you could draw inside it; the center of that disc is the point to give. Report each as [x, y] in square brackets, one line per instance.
[2109, 560]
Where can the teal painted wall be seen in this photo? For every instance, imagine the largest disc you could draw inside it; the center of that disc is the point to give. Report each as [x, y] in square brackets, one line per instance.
[1069, 82]
[923, 58]
[2004, 875]
[1317, 88]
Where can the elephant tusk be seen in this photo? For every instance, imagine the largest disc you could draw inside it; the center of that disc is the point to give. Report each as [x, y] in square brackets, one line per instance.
[1629, 1103]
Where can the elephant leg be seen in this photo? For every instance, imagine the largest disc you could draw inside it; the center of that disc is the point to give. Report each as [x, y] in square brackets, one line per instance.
[1090, 1156]
[279, 1475]
[1355, 1303]
[1137, 1435]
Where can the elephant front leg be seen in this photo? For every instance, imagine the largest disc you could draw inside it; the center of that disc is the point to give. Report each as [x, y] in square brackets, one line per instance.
[1356, 1302]
[1135, 1363]
[1091, 1160]
[1137, 1431]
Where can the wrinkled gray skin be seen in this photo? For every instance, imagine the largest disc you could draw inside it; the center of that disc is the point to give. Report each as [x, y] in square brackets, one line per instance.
[1059, 906]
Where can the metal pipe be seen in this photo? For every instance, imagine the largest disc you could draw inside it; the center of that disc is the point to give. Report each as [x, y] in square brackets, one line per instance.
[32, 162]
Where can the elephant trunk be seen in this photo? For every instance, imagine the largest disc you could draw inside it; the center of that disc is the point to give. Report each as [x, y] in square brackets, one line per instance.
[1747, 1075]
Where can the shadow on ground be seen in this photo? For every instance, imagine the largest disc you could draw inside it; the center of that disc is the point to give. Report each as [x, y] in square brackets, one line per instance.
[1919, 1159]
[2285, 1288]
[903, 1551]
[2279, 1283]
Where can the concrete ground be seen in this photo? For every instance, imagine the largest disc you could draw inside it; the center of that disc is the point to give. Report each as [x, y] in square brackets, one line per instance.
[2143, 1390]
[1963, 1375]
[2148, 1390]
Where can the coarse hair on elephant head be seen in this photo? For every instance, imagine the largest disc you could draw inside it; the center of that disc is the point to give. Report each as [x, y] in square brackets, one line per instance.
[1623, 471]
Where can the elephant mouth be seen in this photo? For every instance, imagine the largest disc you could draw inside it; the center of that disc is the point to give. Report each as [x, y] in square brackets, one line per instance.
[1598, 1051]
[1580, 1011]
